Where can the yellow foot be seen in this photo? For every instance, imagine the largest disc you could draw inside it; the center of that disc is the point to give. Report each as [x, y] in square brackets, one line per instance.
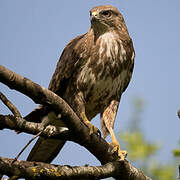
[116, 148]
[92, 128]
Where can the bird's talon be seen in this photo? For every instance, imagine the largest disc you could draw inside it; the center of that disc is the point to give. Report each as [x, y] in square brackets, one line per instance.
[99, 133]
[116, 148]
[123, 154]
[93, 129]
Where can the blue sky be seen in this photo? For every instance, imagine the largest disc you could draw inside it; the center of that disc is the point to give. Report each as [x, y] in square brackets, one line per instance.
[34, 33]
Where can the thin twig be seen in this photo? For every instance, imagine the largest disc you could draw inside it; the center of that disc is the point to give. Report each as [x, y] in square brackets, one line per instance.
[10, 105]
[32, 139]
[16, 113]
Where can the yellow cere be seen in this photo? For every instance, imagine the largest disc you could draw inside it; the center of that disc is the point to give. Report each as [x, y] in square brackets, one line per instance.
[95, 13]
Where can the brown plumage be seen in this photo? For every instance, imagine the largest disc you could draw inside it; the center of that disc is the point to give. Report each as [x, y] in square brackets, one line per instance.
[91, 75]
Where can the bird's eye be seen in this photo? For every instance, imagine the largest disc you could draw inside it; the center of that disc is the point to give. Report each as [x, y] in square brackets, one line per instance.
[106, 13]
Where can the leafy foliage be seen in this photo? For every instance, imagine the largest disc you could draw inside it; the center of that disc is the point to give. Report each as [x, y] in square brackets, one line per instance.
[141, 152]
[141, 149]
[176, 152]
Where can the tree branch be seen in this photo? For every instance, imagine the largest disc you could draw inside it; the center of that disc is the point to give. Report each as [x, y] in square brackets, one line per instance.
[19, 124]
[11, 122]
[10, 105]
[38, 170]
[44, 96]
[96, 145]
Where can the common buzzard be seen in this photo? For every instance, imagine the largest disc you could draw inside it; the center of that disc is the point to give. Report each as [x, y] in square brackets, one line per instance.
[91, 75]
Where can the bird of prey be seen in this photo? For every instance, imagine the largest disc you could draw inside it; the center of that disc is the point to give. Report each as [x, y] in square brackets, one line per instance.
[92, 73]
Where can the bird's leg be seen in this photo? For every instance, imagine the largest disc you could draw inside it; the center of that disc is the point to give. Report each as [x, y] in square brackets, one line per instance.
[116, 146]
[92, 128]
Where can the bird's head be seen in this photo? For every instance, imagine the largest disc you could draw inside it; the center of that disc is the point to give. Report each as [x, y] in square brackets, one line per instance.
[104, 18]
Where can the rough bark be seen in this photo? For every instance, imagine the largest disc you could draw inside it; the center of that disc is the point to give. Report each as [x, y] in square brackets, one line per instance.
[38, 170]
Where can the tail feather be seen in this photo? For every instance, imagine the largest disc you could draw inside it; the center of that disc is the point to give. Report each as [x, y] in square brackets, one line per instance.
[45, 150]
[37, 114]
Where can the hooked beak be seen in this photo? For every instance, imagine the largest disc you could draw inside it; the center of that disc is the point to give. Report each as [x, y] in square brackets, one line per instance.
[94, 16]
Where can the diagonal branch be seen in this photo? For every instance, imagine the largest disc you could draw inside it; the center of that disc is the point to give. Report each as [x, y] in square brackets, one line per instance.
[96, 145]
[44, 96]
[38, 170]
[10, 105]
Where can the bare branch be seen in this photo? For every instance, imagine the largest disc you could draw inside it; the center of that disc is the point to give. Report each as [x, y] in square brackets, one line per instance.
[56, 132]
[96, 145]
[19, 124]
[44, 96]
[38, 170]
[10, 105]
[14, 123]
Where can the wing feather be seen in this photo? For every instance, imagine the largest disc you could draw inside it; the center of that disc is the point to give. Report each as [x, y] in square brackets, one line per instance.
[65, 66]
[59, 80]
